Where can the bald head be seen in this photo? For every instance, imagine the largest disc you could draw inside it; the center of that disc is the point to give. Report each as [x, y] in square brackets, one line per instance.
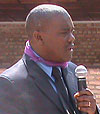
[40, 16]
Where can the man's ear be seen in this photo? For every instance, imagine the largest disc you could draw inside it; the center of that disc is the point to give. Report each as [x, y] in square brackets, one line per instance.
[37, 36]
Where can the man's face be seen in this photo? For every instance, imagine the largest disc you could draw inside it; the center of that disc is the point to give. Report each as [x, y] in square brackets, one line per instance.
[58, 40]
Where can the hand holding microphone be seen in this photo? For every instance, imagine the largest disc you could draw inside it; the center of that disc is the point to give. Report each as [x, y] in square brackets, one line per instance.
[81, 73]
[85, 100]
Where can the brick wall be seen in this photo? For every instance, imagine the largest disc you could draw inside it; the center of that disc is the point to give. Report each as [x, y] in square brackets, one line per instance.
[93, 82]
[87, 48]
[12, 41]
[87, 45]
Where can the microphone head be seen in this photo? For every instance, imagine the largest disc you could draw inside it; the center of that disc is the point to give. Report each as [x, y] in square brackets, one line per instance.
[81, 71]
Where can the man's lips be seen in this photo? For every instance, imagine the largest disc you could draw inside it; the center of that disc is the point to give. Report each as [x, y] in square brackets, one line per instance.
[71, 50]
[71, 47]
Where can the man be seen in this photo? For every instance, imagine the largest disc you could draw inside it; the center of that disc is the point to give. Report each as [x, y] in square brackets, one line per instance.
[29, 86]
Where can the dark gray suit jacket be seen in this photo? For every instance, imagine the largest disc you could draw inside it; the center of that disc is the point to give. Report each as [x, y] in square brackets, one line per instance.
[25, 89]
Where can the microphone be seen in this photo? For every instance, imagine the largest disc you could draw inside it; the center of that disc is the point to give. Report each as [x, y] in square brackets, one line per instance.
[81, 73]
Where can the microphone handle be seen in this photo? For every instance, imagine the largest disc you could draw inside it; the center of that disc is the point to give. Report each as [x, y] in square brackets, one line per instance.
[82, 85]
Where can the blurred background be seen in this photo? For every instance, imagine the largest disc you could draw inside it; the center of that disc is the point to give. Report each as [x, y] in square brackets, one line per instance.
[86, 17]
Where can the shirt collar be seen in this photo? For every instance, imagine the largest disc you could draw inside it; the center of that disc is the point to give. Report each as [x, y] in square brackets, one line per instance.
[47, 69]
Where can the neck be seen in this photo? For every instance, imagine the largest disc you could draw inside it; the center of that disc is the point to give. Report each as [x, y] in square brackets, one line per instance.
[29, 51]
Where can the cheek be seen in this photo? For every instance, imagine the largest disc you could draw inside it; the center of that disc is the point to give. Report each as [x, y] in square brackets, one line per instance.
[61, 47]
[51, 47]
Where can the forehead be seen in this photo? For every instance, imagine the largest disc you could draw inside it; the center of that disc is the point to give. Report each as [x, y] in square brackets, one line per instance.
[62, 21]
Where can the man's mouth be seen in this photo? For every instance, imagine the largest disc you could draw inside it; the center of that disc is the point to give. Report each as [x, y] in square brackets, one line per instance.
[71, 49]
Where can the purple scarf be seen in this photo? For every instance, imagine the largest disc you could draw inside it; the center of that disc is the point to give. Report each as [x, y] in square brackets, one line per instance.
[28, 50]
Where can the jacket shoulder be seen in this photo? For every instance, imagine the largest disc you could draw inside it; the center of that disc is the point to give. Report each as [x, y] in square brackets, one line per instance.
[16, 72]
[71, 66]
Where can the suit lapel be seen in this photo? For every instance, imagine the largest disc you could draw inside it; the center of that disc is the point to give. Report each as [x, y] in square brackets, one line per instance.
[71, 81]
[49, 92]
[41, 81]
[72, 85]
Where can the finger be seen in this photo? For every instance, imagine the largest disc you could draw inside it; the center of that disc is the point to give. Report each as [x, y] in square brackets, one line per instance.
[85, 98]
[86, 92]
[88, 110]
[84, 104]
[76, 95]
